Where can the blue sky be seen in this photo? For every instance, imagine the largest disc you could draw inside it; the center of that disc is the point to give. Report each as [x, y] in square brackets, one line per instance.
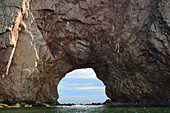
[81, 85]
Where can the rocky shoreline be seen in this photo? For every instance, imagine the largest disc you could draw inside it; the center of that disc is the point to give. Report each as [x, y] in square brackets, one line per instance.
[27, 104]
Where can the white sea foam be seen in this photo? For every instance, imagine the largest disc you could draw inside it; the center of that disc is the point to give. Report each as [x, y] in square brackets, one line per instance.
[80, 106]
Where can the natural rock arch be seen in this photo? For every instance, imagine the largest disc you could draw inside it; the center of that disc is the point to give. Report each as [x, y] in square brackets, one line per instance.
[126, 43]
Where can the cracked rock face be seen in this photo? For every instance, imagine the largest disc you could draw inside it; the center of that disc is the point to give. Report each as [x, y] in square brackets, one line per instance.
[126, 43]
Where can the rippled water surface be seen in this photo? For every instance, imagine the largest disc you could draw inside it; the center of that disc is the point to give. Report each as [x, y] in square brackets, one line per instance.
[88, 109]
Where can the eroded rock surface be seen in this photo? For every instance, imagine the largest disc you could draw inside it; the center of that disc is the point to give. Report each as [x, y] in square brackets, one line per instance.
[126, 42]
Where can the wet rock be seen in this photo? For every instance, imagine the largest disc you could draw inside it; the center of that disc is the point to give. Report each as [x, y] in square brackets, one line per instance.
[108, 101]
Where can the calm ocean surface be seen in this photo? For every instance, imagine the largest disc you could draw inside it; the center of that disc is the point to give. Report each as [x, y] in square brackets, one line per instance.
[87, 109]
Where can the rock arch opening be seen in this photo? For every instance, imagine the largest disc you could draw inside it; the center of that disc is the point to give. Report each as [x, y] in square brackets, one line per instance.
[81, 86]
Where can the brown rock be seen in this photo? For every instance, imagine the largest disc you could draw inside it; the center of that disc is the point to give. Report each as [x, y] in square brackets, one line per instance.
[126, 43]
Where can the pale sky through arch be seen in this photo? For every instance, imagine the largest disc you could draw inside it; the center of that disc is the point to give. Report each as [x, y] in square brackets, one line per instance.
[81, 86]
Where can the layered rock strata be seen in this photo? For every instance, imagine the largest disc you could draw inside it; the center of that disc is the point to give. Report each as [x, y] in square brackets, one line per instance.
[126, 42]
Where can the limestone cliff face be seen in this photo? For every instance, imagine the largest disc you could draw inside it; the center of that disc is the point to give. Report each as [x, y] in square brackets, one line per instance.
[126, 42]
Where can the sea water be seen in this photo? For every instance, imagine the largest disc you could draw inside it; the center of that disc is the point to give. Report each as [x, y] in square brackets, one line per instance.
[87, 109]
